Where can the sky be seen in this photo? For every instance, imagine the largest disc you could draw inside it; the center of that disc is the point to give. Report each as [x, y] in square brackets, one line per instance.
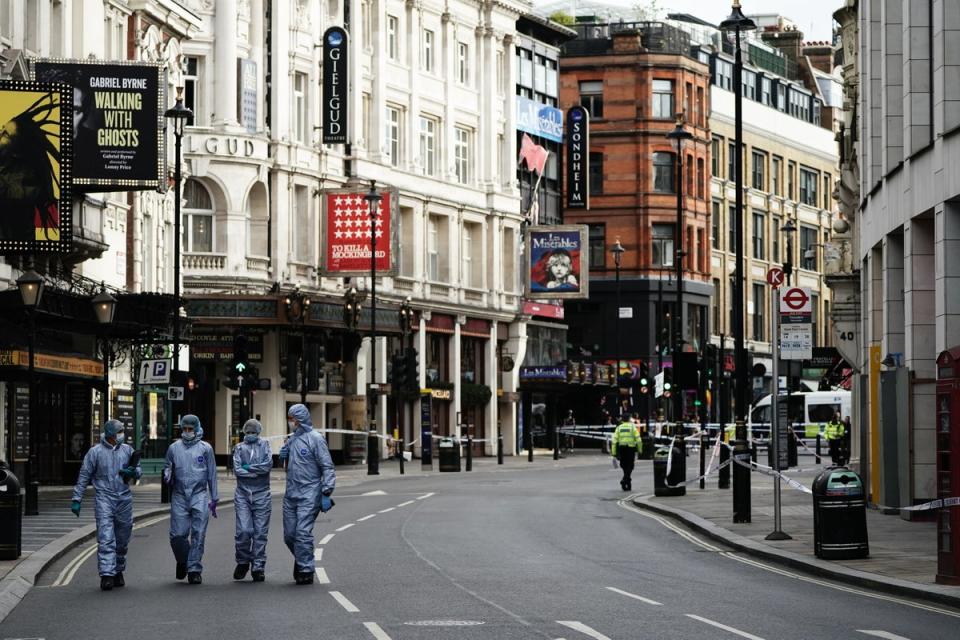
[813, 17]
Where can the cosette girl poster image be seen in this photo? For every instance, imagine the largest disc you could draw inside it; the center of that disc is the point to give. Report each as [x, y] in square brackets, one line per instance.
[556, 267]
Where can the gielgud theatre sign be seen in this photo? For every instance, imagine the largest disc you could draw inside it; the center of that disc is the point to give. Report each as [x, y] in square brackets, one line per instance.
[117, 113]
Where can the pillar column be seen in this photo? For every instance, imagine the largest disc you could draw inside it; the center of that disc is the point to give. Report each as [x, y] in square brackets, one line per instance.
[225, 62]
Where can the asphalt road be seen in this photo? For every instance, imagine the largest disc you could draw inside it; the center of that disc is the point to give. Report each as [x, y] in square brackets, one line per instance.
[533, 553]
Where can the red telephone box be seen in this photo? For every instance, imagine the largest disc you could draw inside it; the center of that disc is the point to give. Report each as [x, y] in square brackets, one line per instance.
[948, 465]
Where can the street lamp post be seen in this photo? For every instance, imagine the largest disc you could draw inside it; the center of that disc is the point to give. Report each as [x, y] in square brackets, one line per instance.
[617, 250]
[298, 305]
[178, 115]
[405, 318]
[373, 199]
[677, 136]
[104, 306]
[734, 25]
[31, 290]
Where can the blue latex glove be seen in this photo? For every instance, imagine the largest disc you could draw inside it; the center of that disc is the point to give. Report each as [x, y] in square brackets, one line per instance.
[284, 452]
[75, 507]
[245, 467]
[213, 508]
[325, 503]
[128, 472]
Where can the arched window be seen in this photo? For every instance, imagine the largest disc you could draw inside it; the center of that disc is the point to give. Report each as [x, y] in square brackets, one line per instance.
[257, 220]
[663, 172]
[197, 218]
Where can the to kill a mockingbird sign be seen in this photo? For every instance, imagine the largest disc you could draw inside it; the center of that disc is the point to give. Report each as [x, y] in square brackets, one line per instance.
[335, 83]
[578, 158]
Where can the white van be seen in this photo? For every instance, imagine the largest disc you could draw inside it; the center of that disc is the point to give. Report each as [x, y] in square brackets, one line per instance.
[809, 407]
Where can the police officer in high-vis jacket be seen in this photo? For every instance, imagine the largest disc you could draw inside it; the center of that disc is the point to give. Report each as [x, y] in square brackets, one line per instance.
[625, 446]
[835, 432]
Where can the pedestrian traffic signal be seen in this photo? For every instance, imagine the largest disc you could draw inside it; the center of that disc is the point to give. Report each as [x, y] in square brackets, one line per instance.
[667, 381]
[644, 385]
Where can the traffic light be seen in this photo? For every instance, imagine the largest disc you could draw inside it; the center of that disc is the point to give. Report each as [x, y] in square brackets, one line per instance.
[667, 381]
[644, 385]
[685, 370]
[289, 365]
[398, 372]
[412, 370]
[316, 360]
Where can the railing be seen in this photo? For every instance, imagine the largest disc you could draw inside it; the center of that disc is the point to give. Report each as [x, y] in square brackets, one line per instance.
[204, 261]
[258, 263]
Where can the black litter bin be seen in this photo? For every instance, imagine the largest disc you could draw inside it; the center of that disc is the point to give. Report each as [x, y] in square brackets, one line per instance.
[678, 472]
[449, 454]
[11, 514]
[646, 452]
[839, 515]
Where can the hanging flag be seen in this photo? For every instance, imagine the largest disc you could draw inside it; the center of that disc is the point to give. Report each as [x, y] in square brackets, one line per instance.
[533, 154]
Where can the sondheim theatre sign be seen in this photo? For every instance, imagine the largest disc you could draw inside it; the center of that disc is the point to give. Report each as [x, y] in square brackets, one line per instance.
[335, 83]
[578, 158]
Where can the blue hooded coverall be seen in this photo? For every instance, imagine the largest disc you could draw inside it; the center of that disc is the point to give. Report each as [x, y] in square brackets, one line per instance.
[309, 475]
[194, 470]
[251, 499]
[113, 501]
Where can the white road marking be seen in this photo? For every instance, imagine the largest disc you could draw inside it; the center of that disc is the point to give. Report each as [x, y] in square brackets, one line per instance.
[881, 634]
[346, 604]
[582, 628]
[321, 576]
[344, 527]
[403, 504]
[387, 510]
[372, 515]
[376, 631]
[425, 496]
[318, 555]
[635, 596]
[742, 634]
[327, 538]
[374, 493]
[66, 575]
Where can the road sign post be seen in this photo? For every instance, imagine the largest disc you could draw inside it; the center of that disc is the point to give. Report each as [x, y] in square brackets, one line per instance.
[775, 424]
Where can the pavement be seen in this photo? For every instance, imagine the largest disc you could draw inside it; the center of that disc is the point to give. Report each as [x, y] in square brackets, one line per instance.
[902, 554]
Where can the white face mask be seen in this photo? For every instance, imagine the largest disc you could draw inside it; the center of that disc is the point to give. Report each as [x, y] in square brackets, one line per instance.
[120, 438]
[292, 425]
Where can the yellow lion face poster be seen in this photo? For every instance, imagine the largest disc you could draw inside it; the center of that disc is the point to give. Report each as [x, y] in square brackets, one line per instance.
[34, 168]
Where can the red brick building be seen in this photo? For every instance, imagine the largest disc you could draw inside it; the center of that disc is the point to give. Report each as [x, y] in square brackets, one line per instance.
[634, 78]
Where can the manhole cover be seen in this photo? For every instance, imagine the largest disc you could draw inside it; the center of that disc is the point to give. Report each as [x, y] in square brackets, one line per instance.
[443, 623]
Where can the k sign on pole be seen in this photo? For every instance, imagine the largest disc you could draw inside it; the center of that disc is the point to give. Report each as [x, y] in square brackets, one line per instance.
[335, 86]
[578, 158]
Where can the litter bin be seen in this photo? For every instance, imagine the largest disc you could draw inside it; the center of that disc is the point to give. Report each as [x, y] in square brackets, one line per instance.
[677, 472]
[10, 514]
[839, 515]
[647, 447]
[449, 454]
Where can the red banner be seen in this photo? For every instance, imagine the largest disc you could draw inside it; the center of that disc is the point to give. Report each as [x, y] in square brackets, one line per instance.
[347, 233]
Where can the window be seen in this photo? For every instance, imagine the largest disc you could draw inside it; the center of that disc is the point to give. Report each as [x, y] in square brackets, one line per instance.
[597, 248]
[715, 156]
[393, 38]
[775, 164]
[781, 97]
[303, 225]
[765, 97]
[791, 180]
[663, 172]
[701, 252]
[661, 254]
[393, 135]
[759, 226]
[461, 154]
[688, 103]
[758, 173]
[525, 70]
[197, 218]
[596, 172]
[699, 115]
[463, 63]
[732, 228]
[191, 88]
[471, 254]
[749, 85]
[701, 178]
[715, 306]
[724, 74]
[428, 146]
[775, 240]
[426, 60]
[433, 248]
[715, 224]
[808, 186]
[808, 246]
[300, 107]
[552, 79]
[540, 74]
[731, 161]
[663, 99]
[827, 191]
[759, 307]
[591, 97]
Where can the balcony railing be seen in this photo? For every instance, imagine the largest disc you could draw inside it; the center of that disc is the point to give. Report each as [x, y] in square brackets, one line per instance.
[204, 261]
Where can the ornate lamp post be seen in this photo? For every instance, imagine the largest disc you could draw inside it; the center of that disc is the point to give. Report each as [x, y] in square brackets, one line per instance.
[104, 307]
[298, 305]
[617, 250]
[178, 115]
[677, 136]
[733, 26]
[373, 199]
[788, 230]
[31, 290]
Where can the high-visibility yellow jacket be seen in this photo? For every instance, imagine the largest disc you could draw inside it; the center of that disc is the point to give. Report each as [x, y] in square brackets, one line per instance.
[628, 435]
[835, 430]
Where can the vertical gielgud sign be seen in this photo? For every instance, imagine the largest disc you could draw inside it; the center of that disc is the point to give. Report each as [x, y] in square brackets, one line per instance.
[117, 113]
[35, 168]
[578, 158]
[335, 84]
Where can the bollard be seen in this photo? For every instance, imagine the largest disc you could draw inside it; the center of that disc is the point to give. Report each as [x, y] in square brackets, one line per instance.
[703, 460]
[373, 454]
[499, 446]
[818, 449]
[723, 477]
[753, 450]
[400, 443]
[469, 452]
[556, 443]
[530, 448]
